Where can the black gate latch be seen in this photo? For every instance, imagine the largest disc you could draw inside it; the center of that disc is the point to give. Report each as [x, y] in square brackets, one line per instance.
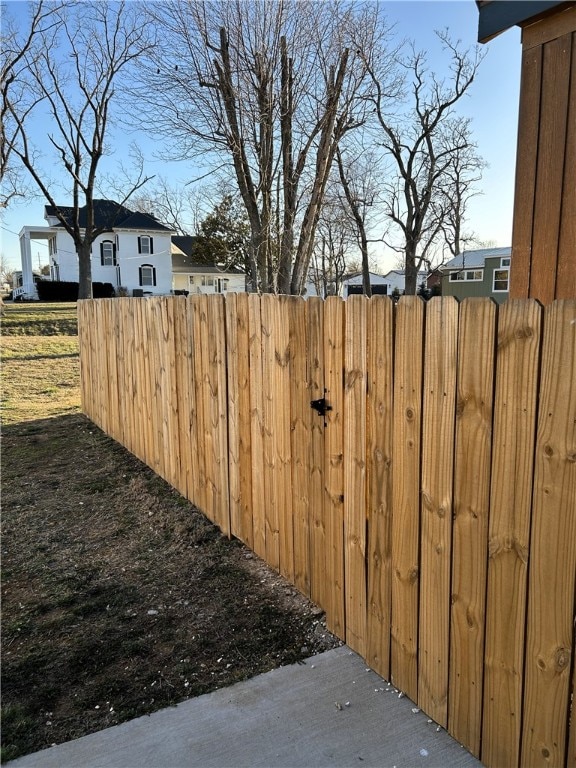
[320, 406]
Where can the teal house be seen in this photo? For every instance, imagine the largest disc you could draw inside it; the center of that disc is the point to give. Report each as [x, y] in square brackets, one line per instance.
[483, 272]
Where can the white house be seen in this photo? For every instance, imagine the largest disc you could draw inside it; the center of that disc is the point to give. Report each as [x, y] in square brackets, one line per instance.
[352, 284]
[396, 279]
[192, 273]
[132, 251]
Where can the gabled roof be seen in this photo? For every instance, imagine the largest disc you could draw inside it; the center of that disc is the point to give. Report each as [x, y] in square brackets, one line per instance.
[109, 215]
[354, 275]
[184, 258]
[402, 272]
[475, 259]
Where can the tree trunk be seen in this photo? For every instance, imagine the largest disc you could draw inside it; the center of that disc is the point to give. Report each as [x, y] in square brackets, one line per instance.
[331, 133]
[84, 271]
[365, 266]
[410, 271]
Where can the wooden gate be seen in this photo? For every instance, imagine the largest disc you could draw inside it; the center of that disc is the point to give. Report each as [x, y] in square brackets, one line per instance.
[286, 469]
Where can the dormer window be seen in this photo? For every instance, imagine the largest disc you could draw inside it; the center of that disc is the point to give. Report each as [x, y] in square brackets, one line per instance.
[108, 253]
[145, 245]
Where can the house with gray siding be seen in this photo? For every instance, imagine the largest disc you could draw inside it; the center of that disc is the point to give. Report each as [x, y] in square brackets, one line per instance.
[482, 272]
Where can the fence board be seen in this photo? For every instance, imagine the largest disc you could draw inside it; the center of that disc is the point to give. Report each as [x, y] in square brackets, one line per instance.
[474, 406]
[114, 421]
[436, 516]
[355, 472]
[128, 401]
[200, 364]
[129, 376]
[182, 427]
[379, 482]
[315, 352]
[102, 364]
[270, 434]
[257, 424]
[406, 492]
[144, 370]
[571, 758]
[518, 341]
[526, 173]
[162, 385]
[282, 404]
[244, 421]
[300, 417]
[333, 462]
[190, 419]
[555, 86]
[237, 341]
[233, 414]
[216, 406]
[87, 376]
[550, 637]
[172, 404]
[566, 275]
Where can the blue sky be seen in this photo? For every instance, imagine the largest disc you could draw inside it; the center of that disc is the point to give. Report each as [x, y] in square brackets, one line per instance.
[492, 105]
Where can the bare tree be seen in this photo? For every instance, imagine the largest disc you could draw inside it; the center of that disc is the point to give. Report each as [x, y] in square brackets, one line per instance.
[178, 207]
[421, 145]
[334, 244]
[6, 271]
[269, 90]
[96, 44]
[357, 172]
[457, 187]
[15, 48]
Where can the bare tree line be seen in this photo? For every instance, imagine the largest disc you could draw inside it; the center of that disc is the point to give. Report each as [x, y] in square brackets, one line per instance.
[301, 106]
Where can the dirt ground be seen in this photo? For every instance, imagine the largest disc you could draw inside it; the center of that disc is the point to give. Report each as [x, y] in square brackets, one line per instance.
[119, 598]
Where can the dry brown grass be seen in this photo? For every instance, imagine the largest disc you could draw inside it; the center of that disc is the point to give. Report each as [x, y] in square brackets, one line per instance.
[40, 377]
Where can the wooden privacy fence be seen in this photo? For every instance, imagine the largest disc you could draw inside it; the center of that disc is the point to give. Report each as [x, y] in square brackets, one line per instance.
[430, 510]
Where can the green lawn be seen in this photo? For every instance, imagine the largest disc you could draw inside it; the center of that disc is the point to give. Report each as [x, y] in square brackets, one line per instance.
[40, 365]
[40, 319]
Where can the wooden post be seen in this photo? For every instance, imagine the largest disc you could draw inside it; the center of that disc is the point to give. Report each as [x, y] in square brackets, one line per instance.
[544, 236]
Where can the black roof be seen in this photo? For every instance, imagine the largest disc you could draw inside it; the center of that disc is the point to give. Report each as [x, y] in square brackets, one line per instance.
[496, 16]
[191, 259]
[110, 215]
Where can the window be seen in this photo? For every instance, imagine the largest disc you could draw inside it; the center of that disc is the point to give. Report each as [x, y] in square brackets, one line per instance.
[145, 245]
[467, 274]
[52, 246]
[505, 262]
[501, 280]
[190, 279]
[147, 275]
[108, 253]
[207, 280]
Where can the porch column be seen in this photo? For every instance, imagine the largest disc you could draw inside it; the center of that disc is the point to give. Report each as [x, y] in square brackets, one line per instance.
[26, 258]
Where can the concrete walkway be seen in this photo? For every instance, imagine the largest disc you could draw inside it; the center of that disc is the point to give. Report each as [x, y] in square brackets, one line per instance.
[330, 711]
